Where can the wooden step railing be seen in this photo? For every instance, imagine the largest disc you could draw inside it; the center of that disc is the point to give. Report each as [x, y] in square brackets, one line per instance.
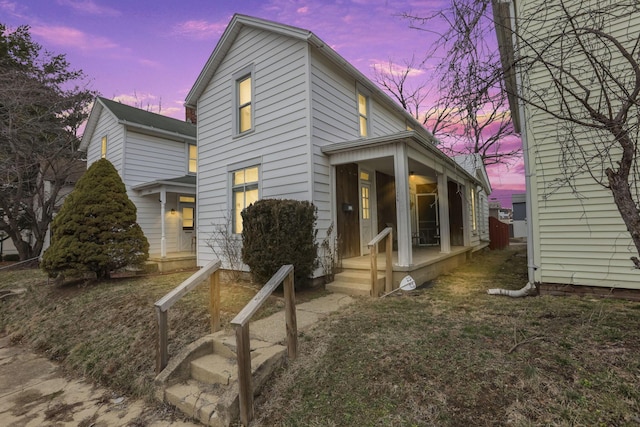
[373, 251]
[210, 272]
[243, 348]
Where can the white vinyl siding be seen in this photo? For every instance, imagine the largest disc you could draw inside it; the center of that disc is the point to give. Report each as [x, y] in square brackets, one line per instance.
[107, 127]
[149, 159]
[280, 134]
[579, 236]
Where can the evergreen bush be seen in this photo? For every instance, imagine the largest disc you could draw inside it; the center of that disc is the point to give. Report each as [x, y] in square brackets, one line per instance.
[96, 228]
[277, 232]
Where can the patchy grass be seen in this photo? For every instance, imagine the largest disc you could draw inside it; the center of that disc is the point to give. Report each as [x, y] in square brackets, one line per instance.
[449, 354]
[107, 330]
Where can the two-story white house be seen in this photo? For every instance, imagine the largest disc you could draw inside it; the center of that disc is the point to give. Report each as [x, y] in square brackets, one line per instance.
[577, 239]
[282, 115]
[156, 157]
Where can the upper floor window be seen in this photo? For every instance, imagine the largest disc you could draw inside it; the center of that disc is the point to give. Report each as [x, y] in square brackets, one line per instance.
[363, 113]
[245, 103]
[244, 184]
[193, 158]
[103, 148]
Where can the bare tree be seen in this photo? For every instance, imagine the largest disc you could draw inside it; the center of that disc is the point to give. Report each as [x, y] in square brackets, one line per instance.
[580, 65]
[421, 100]
[40, 112]
[470, 113]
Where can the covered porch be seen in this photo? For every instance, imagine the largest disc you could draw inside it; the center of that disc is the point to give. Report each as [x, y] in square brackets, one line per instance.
[170, 209]
[403, 182]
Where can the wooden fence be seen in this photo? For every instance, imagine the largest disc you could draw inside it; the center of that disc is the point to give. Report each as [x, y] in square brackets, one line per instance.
[498, 233]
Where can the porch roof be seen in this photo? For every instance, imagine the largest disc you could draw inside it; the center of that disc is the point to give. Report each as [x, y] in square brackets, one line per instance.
[182, 184]
[411, 138]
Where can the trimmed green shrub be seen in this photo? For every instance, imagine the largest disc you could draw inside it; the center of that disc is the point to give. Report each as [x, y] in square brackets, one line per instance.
[277, 232]
[11, 257]
[96, 228]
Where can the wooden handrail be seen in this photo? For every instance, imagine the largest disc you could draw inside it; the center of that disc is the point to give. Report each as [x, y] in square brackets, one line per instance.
[209, 272]
[243, 348]
[381, 235]
[373, 253]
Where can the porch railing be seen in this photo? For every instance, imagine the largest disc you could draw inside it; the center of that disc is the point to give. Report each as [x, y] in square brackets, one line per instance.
[373, 251]
[243, 349]
[211, 272]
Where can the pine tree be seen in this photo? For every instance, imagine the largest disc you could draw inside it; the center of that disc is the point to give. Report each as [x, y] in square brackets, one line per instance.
[96, 228]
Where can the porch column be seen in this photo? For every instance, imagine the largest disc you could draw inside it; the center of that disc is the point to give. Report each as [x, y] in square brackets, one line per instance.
[163, 238]
[443, 208]
[401, 167]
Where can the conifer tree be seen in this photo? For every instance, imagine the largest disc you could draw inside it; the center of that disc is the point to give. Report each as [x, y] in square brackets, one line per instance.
[96, 228]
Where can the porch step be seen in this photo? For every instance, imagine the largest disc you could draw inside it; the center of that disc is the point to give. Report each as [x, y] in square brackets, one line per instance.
[214, 369]
[204, 384]
[194, 402]
[353, 282]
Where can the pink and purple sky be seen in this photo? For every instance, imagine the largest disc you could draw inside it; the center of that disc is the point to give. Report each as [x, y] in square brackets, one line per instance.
[149, 53]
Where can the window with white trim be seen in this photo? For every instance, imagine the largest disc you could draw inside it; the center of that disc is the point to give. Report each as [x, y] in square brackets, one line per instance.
[244, 188]
[363, 114]
[244, 102]
[193, 158]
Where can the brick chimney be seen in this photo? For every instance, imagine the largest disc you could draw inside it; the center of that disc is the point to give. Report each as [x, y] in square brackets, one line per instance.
[190, 115]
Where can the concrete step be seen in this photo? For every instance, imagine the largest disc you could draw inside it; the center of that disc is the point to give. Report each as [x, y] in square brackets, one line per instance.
[196, 403]
[214, 369]
[354, 282]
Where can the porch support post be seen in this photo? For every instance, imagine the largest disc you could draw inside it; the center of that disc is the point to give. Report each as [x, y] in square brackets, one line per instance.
[163, 238]
[443, 208]
[401, 167]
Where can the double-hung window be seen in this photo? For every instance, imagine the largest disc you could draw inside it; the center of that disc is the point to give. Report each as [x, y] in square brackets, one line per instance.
[363, 114]
[193, 158]
[243, 101]
[245, 192]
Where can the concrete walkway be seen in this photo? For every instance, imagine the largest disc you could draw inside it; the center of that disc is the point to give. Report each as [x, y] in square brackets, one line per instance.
[35, 392]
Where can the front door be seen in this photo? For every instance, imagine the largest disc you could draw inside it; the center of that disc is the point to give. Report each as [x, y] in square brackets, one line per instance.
[348, 224]
[188, 218]
[366, 227]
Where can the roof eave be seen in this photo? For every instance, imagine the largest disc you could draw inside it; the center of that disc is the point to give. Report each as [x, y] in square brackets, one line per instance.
[163, 132]
[92, 123]
[504, 33]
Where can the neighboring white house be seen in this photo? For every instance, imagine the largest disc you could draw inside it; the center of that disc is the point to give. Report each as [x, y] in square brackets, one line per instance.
[156, 157]
[281, 115]
[75, 169]
[576, 234]
[519, 209]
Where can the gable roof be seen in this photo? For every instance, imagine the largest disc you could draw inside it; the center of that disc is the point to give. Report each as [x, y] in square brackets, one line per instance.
[474, 165]
[142, 120]
[240, 21]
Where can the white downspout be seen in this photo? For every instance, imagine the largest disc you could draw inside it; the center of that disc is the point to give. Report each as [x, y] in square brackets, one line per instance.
[529, 288]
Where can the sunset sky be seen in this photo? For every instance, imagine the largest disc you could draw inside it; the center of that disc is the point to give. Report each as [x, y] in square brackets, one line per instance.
[149, 53]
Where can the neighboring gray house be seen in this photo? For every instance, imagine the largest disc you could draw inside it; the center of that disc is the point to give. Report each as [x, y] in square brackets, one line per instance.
[281, 115]
[156, 157]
